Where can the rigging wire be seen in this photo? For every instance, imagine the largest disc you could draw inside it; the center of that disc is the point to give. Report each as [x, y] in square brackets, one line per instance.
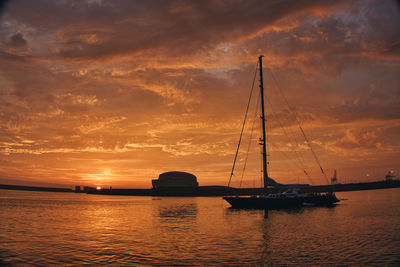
[300, 160]
[251, 137]
[299, 163]
[244, 123]
[299, 124]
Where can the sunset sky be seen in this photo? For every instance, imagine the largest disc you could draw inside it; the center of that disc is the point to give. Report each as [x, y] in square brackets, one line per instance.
[113, 93]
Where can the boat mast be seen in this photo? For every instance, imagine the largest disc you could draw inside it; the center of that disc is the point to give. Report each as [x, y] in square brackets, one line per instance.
[263, 140]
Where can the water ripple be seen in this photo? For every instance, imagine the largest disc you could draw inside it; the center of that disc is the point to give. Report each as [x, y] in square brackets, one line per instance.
[75, 229]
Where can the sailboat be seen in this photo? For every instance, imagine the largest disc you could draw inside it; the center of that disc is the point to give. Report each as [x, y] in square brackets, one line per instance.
[285, 200]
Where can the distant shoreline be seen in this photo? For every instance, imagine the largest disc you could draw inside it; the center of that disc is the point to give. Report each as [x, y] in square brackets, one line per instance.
[34, 188]
[211, 190]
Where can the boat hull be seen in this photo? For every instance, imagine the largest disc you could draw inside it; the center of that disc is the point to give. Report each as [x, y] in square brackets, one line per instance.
[260, 202]
[320, 200]
[263, 203]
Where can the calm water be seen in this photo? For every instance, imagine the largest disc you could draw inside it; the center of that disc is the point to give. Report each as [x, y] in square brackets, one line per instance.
[39, 228]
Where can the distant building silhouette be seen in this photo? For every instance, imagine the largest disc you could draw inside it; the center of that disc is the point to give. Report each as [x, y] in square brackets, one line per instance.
[389, 176]
[334, 178]
[88, 188]
[175, 179]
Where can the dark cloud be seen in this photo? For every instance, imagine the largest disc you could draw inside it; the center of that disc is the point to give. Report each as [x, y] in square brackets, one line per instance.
[11, 58]
[3, 6]
[17, 40]
[392, 51]
[357, 112]
[87, 30]
[332, 44]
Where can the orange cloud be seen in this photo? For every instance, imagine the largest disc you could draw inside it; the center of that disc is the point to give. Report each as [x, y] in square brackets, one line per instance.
[118, 92]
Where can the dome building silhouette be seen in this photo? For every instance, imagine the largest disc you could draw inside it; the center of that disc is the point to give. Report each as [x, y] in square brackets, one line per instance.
[175, 179]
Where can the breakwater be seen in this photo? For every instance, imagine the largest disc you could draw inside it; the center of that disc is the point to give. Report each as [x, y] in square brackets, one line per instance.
[213, 190]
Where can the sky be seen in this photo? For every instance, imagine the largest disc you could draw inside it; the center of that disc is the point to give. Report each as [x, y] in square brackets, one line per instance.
[113, 93]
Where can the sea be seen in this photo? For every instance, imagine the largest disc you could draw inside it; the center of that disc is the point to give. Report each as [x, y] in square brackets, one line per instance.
[69, 229]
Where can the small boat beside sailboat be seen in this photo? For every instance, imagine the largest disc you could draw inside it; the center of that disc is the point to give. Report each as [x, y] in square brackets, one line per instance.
[289, 199]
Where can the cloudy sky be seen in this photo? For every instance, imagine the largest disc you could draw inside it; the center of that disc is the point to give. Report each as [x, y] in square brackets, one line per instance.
[101, 92]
